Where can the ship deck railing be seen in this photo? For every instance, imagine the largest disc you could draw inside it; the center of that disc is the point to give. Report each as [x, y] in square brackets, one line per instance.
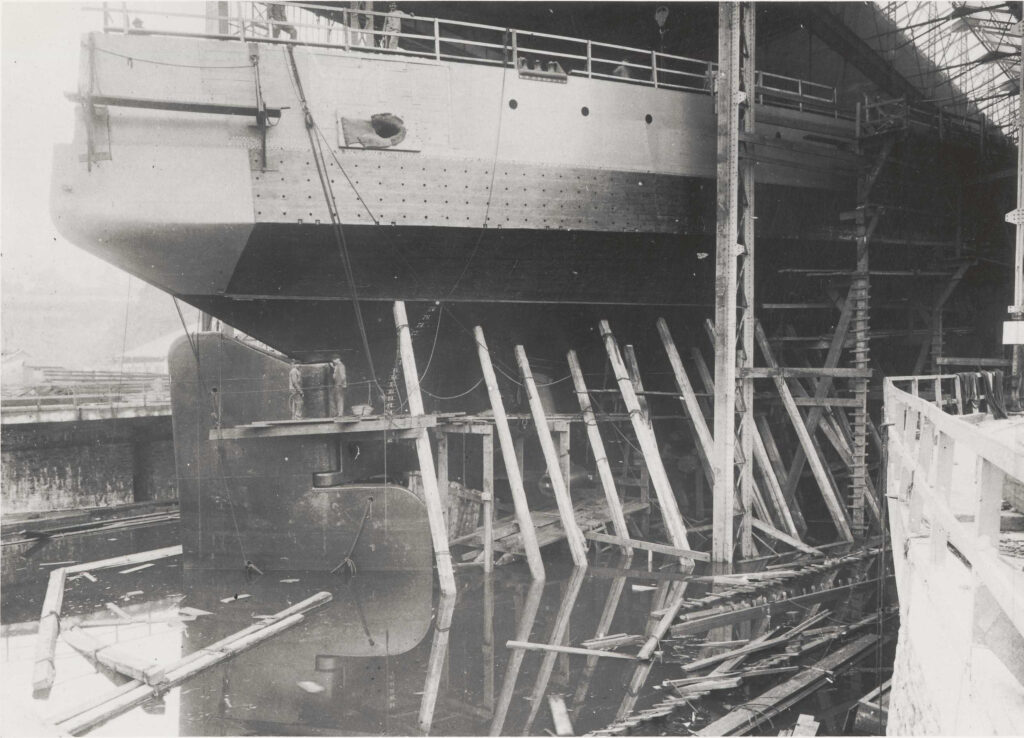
[946, 476]
[531, 53]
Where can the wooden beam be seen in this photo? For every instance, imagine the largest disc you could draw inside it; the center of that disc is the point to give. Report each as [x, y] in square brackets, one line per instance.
[428, 475]
[835, 350]
[832, 501]
[121, 700]
[508, 454]
[787, 539]
[487, 442]
[528, 646]
[742, 720]
[705, 443]
[44, 671]
[577, 544]
[604, 470]
[648, 445]
[789, 372]
[631, 543]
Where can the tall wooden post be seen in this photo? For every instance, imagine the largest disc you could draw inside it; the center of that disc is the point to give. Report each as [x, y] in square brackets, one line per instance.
[508, 455]
[577, 543]
[435, 514]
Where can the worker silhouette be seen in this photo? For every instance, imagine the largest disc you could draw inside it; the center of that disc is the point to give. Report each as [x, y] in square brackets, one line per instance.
[295, 393]
[339, 383]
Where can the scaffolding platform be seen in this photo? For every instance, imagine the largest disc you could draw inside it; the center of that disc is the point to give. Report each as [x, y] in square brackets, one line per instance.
[589, 514]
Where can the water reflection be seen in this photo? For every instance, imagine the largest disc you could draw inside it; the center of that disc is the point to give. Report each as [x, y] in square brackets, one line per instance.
[388, 655]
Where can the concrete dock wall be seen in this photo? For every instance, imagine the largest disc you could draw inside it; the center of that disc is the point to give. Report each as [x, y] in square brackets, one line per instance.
[62, 466]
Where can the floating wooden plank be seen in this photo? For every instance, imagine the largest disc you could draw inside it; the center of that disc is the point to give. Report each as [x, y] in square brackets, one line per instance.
[573, 535]
[647, 546]
[792, 372]
[560, 715]
[597, 449]
[528, 646]
[515, 481]
[327, 427]
[428, 474]
[121, 700]
[741, 720]
[611, 604]
[648, 445]
[127, 560]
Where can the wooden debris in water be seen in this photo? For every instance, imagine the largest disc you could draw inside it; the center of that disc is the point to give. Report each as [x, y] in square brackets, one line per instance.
[611, 642]
[98, 711]
[311, 687]
[559, 713]
[120, 613]
[235, 597]
[132, 569]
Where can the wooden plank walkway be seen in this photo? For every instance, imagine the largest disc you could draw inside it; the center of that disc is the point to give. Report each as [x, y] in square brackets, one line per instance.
[589, 514]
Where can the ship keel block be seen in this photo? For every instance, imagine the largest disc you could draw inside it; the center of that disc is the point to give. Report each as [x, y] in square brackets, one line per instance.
[254, 499]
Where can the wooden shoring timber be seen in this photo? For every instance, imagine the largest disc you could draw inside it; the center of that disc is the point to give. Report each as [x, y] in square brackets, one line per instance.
[779, 467]
[550, 649]
[604, 470]
[123, 699]
[436, 661]
[428, 475]
[487, 465]
[787, 539]
[558, 637]
[527, 616]
[577, 544]
[508, 455]
[760, 453]
[705, 442]
[604, 623]
[742, 719]
[44, 672]
[633, 368]
[631, 543]
[832, 501]
[648, 445]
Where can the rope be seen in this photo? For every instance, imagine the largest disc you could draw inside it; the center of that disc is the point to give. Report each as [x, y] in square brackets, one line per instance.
[339, 235]
[124, 334]
[347, 562]
[494, 171]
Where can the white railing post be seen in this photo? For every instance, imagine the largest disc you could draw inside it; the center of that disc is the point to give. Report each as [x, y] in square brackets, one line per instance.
[654, 67]
[437, 39]
[590, 61]
[346, 20]
[125, 23]
[515, 49]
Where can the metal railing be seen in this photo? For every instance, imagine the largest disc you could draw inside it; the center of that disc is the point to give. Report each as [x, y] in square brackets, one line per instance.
[449, 40]
[925, 446]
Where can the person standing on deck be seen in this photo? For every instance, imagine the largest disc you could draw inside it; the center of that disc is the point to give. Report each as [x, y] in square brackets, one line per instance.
[362, 22]
[279, 21]
[392, 25]
[295, 393]
[339, 383]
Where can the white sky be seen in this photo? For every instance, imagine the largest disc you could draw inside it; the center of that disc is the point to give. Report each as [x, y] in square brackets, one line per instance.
[39, 44]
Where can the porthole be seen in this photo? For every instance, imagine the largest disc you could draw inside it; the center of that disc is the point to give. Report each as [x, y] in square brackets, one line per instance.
[513, 104]
[585, 111]
[649, 118]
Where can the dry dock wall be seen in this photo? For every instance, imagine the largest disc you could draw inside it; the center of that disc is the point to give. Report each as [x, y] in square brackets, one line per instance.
[958, 664]
[93, 463]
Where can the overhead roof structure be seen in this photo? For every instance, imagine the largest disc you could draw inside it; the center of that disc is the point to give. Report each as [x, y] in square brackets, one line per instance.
[974, 47]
